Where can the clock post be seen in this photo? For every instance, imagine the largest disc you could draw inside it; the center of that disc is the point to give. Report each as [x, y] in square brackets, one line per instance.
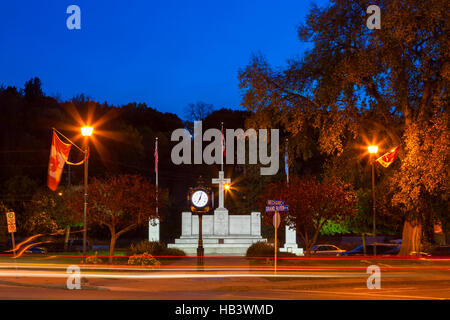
[200, 249]
[199, 200]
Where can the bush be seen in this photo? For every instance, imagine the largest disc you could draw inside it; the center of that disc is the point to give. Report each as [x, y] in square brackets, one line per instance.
[260, 249]
[174, 252]
[94, 259]
[151, 247]
[144, 259]
[154, 248]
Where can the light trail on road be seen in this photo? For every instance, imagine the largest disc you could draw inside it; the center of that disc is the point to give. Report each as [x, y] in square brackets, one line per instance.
[214, 268]
[33, 274]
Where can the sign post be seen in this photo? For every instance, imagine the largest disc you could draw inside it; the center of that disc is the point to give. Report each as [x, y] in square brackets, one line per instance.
[11, 222]
[276, 206]
[275, 224]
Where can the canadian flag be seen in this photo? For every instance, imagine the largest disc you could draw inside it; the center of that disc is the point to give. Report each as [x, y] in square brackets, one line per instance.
[59, 154]
[389, 157]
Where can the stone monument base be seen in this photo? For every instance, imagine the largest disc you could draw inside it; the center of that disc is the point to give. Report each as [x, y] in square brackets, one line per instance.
[229, 245]
[292, 248]
[223, 234]
[291, 242]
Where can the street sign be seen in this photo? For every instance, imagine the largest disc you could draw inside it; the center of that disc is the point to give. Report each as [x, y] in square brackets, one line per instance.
[11, 217]
[11, 228]
[276, 219]
[275, 202]
[11, 221]
[277, 208]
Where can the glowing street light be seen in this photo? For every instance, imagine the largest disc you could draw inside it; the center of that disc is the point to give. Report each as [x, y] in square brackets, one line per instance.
[227, 187]
[373, 150]
[86, 131]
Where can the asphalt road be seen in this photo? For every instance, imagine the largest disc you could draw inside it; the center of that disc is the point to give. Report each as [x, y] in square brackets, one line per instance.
[400, 292]
[35, 281]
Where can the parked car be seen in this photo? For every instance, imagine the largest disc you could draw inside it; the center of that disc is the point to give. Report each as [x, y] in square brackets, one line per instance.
[31, 250]
[326, 249]
[36, 250]
[383, 249]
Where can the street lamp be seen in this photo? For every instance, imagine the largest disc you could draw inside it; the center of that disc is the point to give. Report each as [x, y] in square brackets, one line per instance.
[86, 132]
[373, 150]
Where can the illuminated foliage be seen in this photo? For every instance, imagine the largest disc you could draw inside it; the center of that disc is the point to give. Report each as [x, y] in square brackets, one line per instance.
[120, 203]
[356, 84]
[312, 205]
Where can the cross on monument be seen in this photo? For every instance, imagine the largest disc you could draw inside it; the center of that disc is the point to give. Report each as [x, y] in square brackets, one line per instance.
[221, 181]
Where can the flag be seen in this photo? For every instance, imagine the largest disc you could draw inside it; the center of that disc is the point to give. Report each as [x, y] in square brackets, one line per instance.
[223, 144]
[156, 157]
[388, 158]
[59, 154]
[286, 166]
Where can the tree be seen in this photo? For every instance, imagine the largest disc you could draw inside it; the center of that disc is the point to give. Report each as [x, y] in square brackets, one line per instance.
[389, 86]
[312, 205]
[48, 212]
[120, 203]
[198, 111]
[33, 89]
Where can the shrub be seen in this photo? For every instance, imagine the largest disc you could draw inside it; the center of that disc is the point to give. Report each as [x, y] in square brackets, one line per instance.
[94, 259]
[151, 247]
[260, 249]
[154, 248]
[173, 252]
[144, 259]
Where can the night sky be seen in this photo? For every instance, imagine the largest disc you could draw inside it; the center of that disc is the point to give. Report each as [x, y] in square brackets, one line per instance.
[164, 53]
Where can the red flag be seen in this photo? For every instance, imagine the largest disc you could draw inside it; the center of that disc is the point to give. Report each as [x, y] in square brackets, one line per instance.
[388, 158]
[59, 154]
[223, 144]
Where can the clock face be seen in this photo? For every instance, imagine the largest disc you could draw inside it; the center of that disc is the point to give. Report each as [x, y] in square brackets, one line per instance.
[199, 198]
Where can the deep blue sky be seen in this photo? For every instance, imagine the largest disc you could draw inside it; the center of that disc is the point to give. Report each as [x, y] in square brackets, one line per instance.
[164, 53]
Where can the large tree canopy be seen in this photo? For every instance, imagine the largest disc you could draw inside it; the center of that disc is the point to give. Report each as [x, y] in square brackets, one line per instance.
[388, 86]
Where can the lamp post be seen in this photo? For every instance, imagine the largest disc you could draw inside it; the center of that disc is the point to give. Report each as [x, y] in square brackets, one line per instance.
[86, 132]
[373, 150]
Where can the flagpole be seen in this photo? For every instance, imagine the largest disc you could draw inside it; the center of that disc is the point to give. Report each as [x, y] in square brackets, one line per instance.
[70, 141]
[156, 173]
[286, 156]
[222, 143]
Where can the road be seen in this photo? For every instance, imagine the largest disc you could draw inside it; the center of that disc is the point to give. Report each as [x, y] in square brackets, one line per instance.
[49, 281]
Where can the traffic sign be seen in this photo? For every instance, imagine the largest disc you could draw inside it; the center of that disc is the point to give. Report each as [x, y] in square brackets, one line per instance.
[11, 221]
[275, 202]
[276, 219]
[277, 208]
[10, 217]
[11, 228]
